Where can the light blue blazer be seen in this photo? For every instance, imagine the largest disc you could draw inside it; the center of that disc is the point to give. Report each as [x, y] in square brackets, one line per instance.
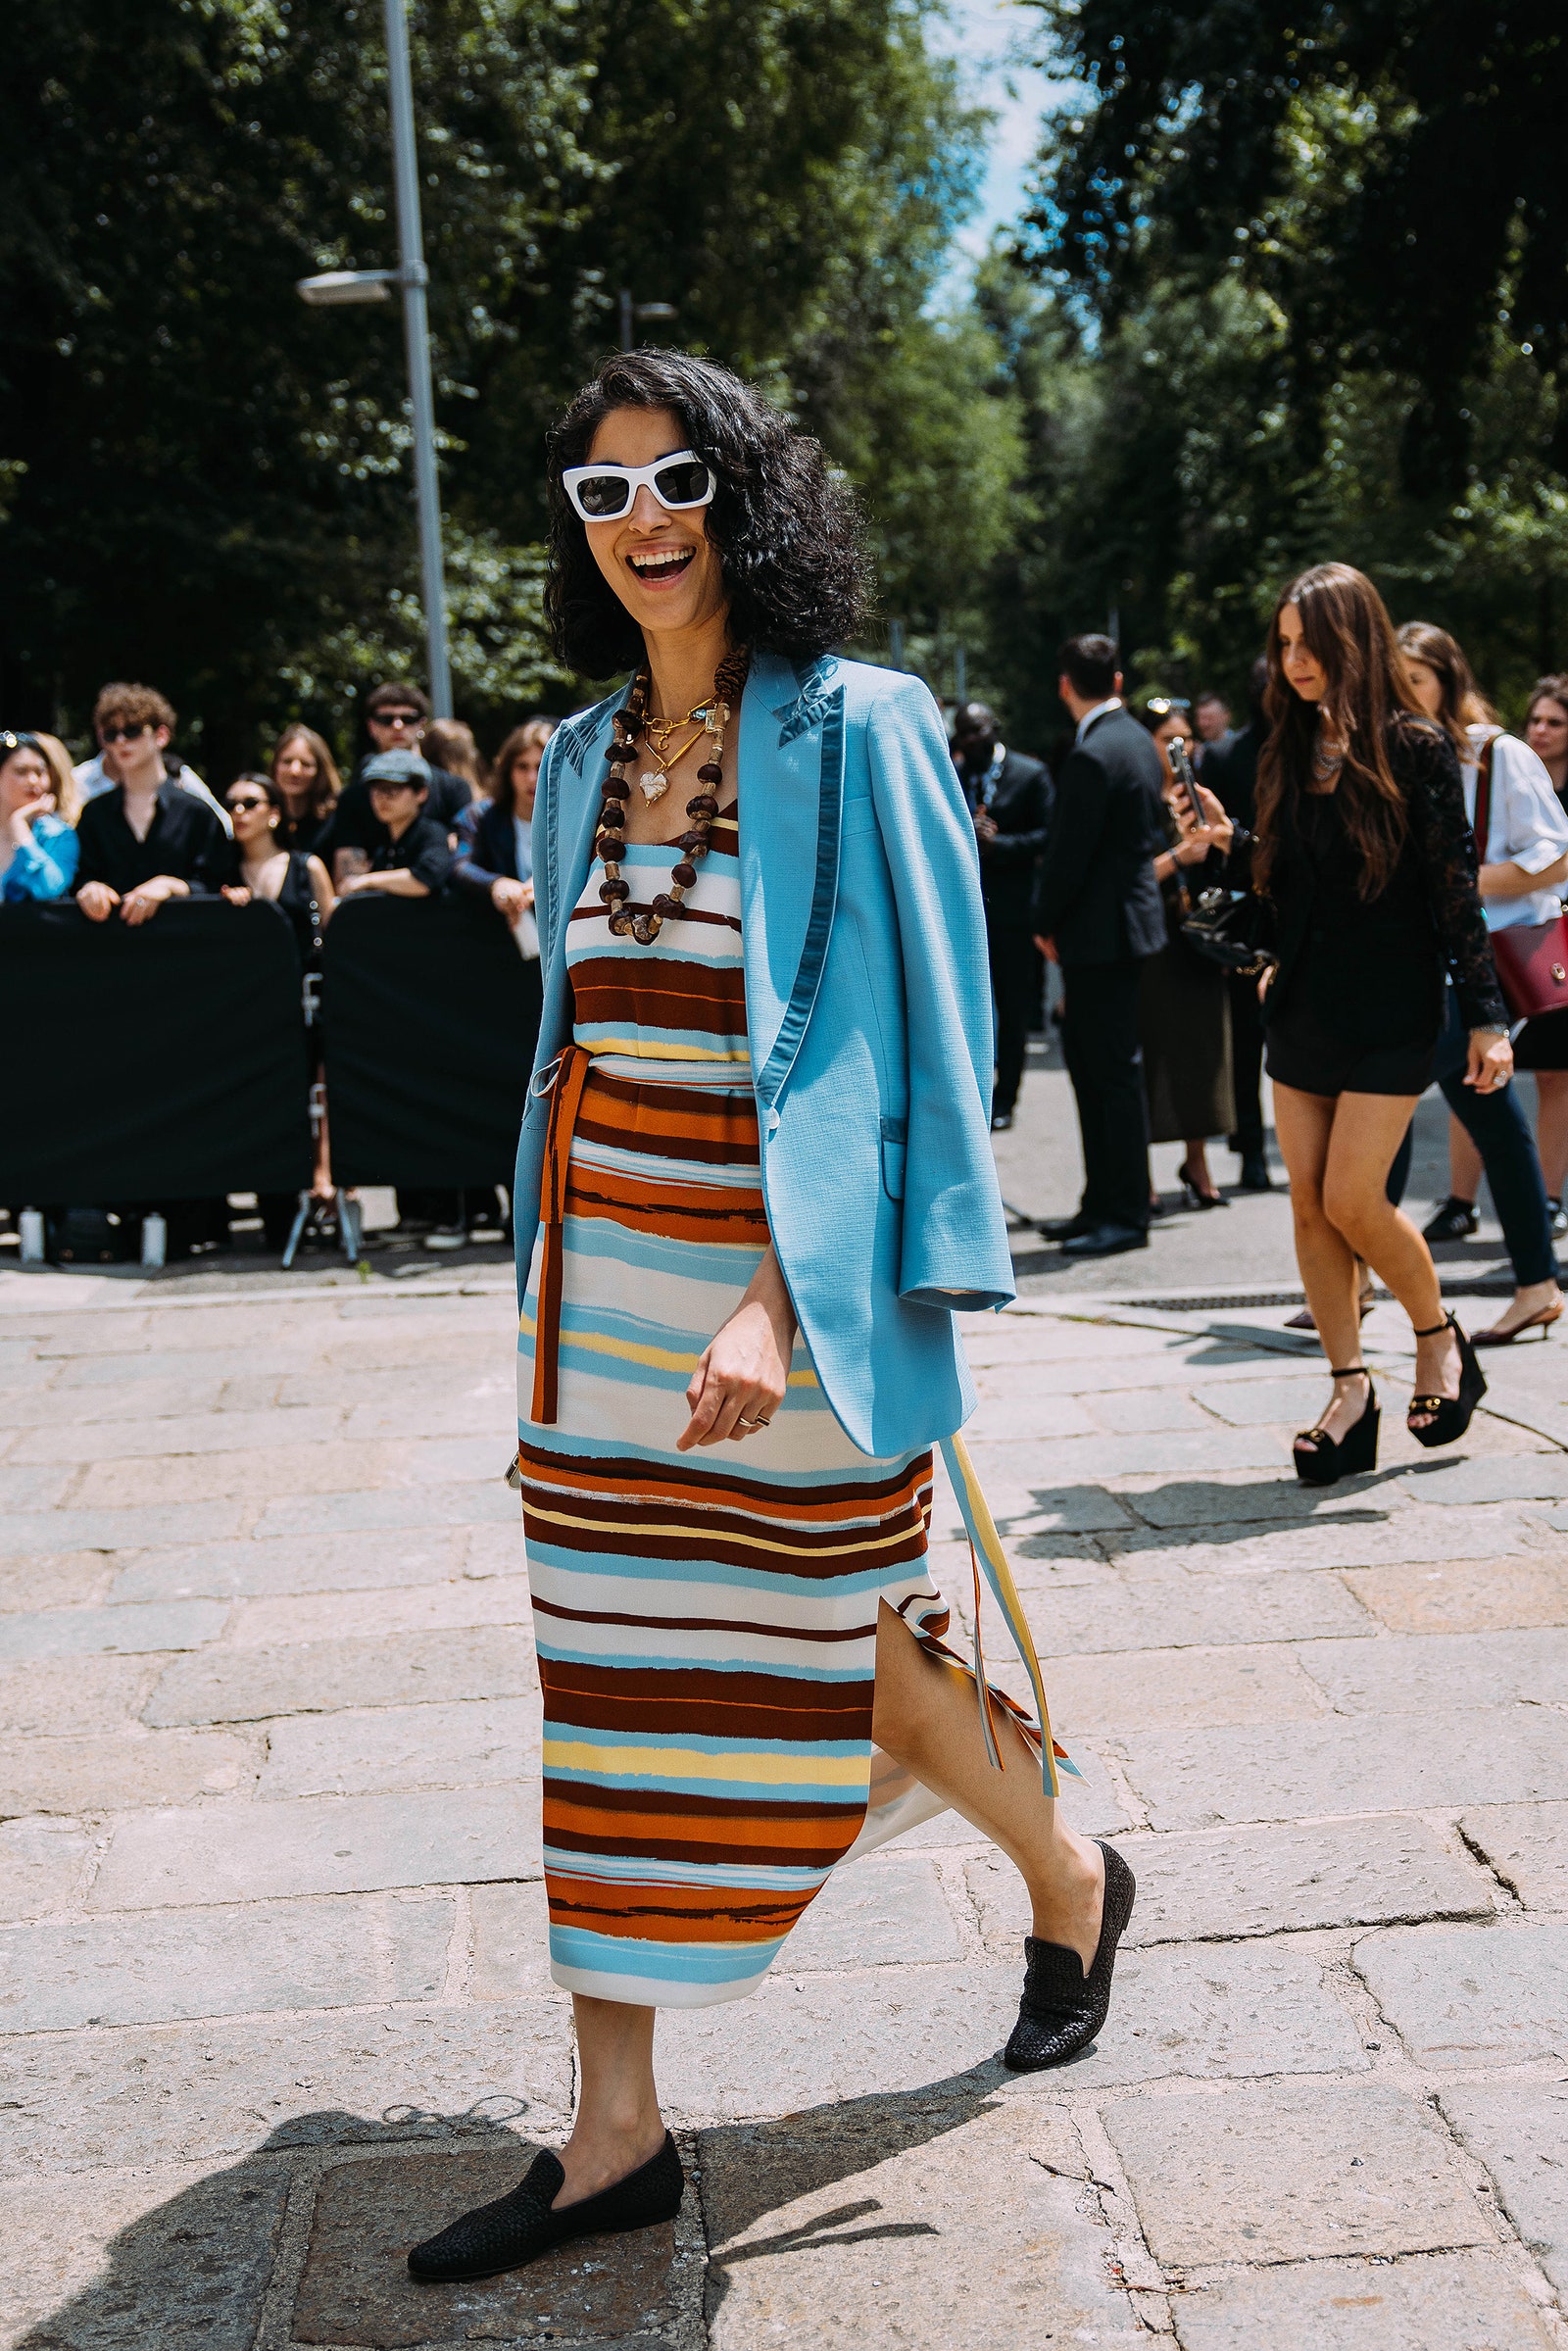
[868, 1007]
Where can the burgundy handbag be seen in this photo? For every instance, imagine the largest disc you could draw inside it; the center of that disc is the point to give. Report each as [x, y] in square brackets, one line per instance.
[1531, 958]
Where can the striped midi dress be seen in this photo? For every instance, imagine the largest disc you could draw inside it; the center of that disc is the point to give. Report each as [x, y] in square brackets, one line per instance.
[706, 1621]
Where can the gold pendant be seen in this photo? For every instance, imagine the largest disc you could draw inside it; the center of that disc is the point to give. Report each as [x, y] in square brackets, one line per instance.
[654, 786]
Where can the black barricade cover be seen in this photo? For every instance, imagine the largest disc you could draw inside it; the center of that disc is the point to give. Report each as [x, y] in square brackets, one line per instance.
[429, 1017]
[165, 1062]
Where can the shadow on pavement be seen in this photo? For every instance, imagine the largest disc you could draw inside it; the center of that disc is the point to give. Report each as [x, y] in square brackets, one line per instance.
[193, 2273]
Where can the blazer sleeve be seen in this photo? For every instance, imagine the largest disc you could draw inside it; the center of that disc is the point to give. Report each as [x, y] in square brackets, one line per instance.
[1028, 820]
[955, 1245]
[1077, 822]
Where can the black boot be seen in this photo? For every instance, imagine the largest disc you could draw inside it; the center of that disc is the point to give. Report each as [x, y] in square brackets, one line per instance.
[1061, 2008]
[519, 2227]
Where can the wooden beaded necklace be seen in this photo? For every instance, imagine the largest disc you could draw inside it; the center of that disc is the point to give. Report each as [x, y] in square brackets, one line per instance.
[610, 840]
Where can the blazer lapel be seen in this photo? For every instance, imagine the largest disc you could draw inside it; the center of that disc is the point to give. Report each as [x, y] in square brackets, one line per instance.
[790, 799]
[572, 822]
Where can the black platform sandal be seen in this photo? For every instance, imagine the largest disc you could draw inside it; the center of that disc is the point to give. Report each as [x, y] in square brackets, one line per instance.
[519, 2227]
[1452, 1415]
[1061, 2008]
[1321, 1460]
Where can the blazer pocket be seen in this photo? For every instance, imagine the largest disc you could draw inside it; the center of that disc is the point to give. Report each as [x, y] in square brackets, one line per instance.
[895, 1138]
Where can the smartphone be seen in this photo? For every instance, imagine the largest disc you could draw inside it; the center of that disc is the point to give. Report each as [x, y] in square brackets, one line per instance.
[1181, 768]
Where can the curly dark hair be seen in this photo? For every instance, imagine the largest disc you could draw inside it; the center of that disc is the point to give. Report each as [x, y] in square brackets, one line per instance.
[789, 534]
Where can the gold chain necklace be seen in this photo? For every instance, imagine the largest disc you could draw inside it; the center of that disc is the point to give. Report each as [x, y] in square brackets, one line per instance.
[654, 781]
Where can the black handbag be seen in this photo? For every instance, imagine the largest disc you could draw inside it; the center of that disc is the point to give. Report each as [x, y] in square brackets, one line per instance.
[1232, 928]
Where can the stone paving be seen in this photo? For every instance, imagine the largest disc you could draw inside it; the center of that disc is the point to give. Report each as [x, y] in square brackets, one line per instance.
[272, 1989]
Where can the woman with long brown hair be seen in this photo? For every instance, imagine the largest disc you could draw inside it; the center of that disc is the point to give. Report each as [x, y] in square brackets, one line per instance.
[1365, 849]
[305, 774]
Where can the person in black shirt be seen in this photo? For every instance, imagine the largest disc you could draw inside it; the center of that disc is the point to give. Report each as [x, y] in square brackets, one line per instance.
[1009, 799]
[413, 859]
[146, 840]
[1230, 770]
[395, 717]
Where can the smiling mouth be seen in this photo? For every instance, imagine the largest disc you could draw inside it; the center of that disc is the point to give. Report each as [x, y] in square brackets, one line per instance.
[655, 564]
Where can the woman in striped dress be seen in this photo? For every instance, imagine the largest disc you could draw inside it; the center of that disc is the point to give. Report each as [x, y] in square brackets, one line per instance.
[752, 1187]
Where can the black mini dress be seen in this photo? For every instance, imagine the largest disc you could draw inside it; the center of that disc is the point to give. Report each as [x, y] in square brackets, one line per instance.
[1357, 1003]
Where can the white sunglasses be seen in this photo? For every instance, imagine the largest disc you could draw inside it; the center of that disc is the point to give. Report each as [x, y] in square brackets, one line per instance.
[601, 493]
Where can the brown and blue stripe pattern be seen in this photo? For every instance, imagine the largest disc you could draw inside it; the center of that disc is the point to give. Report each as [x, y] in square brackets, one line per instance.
[706, 1622]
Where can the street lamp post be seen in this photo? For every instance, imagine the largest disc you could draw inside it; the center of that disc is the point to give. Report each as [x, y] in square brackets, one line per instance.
[337, 287]
[632, 312]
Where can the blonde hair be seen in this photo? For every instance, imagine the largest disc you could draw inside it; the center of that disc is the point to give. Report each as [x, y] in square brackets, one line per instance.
[449, 743]
[67, 792]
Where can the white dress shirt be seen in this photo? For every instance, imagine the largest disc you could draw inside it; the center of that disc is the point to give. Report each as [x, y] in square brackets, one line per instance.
[1527, 826]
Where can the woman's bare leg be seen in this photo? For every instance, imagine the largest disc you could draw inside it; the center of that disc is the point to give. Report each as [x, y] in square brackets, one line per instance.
[1552, 1127]
[927, 1717]
[1368, 1129]
[1304, 1125]
[1464, 1165]
[618, 2125]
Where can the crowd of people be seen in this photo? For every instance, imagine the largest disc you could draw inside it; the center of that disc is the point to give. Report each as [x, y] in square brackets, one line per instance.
[134, 826]
[1406, 858]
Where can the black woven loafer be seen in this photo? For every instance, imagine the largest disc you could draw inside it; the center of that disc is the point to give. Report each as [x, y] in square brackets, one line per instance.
[519, 2227]
[1063, 2008]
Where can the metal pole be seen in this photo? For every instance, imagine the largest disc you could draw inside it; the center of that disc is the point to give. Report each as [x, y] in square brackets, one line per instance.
[960, 677]
[896, 643]
[414, 277]
[624, 307]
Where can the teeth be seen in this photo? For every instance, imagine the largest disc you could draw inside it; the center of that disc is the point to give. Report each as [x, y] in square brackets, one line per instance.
[660, 559]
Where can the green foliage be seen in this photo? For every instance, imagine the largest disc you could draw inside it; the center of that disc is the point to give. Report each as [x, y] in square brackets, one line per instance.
[207, 486]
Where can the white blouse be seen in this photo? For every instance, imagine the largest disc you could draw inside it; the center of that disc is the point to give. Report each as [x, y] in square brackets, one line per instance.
[1528, 827]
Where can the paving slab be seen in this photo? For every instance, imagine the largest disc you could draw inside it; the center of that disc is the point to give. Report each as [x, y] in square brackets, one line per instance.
[1285, 1879]
[1490, 1595]
[412, 1507]
[221, 2087]
[33, 1489]
[220, 1961]
[1292, 2171]
[255, 1473]
[108, 1774]
[1113, 1611]
[1526, 1844]
[1200, 1779]
[907, 2226]
[43, 1864]
[63, 1694]
[1461, 1996]
[1519, 2129]
[55, 1580]
[1143, 1690]
[1420, 1673]
[430, 1607]
[166, 2257]
[356, 2289]
[237, 1686]
[126, 1435]
[463, 1743]
[290, 1564]
[1426, 2302]
[319, 1844]
[1352, 1536]
[1510, 1478]
[119, 1632]
[23, 1532]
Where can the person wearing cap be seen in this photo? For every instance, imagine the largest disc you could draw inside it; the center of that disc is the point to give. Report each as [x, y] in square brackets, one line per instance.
[415, 858]
[38, 848]
[396, 715]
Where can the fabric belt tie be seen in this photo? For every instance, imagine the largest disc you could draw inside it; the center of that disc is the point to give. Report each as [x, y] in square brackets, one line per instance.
[985, 1550]
[571, 1074]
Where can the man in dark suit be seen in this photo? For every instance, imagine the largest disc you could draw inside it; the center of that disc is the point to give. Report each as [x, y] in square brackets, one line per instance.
[1231, 774]
[1098, 913]
[1009, 799]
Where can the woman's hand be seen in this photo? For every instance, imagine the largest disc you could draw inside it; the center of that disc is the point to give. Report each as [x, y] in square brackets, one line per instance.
[97, 901]
[741, 1374]
[1214, 832]
[510, 898]
[1490, 1060]
[236, 894]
